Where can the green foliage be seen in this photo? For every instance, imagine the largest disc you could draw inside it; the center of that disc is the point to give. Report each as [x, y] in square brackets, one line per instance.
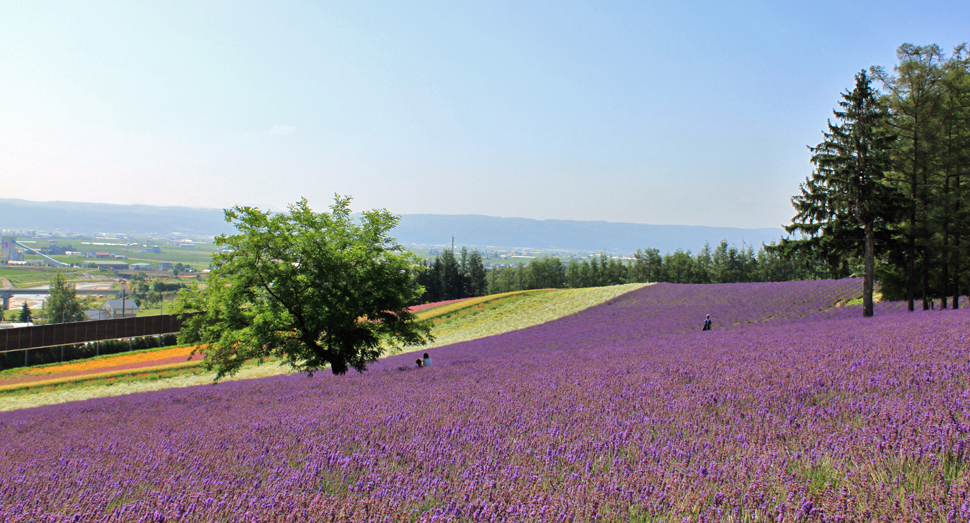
[160, 286]
[848, 195]
[62, 304]
[725, 264]
[25, 313]
[887, 198]
[451, 278]
[314, 289]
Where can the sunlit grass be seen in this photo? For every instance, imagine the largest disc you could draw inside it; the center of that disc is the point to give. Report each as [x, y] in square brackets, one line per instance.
[491, 315]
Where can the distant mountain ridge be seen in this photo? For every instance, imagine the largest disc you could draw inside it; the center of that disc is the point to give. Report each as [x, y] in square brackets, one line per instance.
[420, 229]
[571, 235]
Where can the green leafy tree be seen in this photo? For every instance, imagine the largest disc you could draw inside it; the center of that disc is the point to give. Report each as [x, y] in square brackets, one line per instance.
[314, 289]
[153, 298]
[62, 304]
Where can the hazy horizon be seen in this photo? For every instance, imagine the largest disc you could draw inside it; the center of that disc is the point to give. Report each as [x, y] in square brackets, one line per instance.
[662, 114]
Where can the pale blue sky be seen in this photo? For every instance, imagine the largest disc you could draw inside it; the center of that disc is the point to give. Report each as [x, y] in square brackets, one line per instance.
[647, 112]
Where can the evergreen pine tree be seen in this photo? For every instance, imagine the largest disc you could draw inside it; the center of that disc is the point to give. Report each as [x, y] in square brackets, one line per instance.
[847, 193]
[25, 313]
[914, 100]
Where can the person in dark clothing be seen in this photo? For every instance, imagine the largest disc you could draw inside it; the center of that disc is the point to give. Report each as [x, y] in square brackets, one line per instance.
[419, 362]
[707, 323]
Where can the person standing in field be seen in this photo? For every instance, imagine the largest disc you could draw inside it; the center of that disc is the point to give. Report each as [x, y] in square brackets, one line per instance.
[707, 323]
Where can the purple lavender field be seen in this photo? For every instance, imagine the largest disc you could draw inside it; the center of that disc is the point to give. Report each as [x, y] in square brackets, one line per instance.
[789, 410]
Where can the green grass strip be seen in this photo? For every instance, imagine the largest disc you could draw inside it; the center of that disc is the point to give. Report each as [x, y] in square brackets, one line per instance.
[501, 313]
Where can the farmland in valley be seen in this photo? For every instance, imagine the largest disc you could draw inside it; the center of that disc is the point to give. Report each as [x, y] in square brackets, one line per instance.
[791, 409]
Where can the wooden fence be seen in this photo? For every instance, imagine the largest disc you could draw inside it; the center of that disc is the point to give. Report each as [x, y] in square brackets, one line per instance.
[40, 336]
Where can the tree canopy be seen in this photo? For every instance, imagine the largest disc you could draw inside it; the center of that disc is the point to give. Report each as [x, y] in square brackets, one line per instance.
[25, 313]
[62, 304]
[313, 289]
[847, 194]
[915, 191]
[451, 278]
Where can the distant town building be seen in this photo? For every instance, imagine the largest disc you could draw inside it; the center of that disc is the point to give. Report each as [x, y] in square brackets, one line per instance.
[113, 308]
[7, 248]
[113, 266]
[141, 267]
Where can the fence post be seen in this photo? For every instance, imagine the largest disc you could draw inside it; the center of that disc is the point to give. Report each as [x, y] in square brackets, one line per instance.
[26, 353]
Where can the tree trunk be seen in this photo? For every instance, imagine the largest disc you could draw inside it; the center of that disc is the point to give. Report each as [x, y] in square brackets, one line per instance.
[911, 274]
[956, 272]
[956, 264]
[956, 243]
[867, 282]
[338, 365]
[925, 279]
[945, 269]
[911, 251]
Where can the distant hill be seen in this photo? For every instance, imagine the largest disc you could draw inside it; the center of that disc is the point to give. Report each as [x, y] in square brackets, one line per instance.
[421, 229]
[436, 229]
[89, 218]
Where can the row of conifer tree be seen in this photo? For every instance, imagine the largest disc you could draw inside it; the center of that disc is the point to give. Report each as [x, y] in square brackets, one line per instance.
[891, 179]
[448, 276]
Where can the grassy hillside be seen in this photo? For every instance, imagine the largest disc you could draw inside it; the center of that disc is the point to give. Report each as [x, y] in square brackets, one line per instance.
[497, 314]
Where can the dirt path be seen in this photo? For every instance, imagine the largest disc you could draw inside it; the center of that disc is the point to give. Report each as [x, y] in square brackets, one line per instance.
[5, 283]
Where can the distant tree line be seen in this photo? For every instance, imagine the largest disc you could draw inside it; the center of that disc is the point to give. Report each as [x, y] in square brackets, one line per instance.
[891, 179]
[150, 294]
[448, 277]
[723, 264]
